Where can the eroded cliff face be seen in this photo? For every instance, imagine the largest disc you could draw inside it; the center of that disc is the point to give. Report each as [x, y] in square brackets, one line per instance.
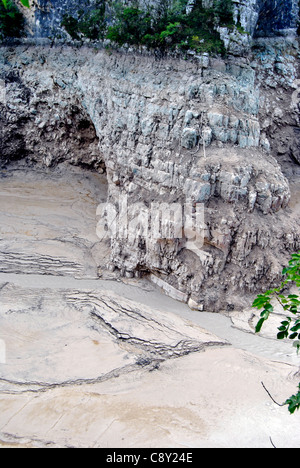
[221, 134]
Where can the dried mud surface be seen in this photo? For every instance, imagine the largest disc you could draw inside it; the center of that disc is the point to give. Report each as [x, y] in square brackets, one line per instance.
[99, 362]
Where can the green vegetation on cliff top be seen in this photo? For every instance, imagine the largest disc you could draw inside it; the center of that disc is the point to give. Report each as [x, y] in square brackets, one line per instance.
[173, 27]
[167, 26]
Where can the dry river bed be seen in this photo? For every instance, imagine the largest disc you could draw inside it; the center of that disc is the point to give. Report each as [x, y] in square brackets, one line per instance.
[89, 362]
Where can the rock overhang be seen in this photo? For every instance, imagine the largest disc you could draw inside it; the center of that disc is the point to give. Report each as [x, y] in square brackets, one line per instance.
[168, 132]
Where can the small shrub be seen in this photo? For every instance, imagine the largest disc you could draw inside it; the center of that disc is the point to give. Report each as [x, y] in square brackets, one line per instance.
[290, 326]
[91, 25]
[11, 21]
[71, 25]
[222, 10]
[132, 25]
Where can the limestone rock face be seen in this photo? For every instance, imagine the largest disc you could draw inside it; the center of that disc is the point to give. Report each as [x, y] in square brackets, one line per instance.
[277, 17]
[267, 17]
[173, 137]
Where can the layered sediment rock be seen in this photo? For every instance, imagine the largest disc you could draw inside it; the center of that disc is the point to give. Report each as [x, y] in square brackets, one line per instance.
[171, 132]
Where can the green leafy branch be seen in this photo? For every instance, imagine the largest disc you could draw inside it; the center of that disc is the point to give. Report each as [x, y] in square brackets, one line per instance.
[294, 402]
[289, 303]
[290, 326]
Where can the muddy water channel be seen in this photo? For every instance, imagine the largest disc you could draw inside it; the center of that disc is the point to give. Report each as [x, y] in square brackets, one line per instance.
[134, 366]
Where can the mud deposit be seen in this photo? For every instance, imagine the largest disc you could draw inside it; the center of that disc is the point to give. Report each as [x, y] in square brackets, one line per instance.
[93, 361]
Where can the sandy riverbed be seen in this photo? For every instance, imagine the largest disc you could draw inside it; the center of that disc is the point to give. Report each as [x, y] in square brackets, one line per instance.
[103, 363]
